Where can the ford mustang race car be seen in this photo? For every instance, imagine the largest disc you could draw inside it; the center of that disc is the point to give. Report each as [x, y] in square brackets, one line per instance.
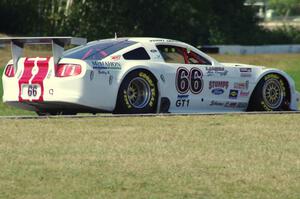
[138, 75]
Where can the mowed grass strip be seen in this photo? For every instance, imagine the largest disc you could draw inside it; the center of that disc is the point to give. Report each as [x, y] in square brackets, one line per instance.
[230, 156]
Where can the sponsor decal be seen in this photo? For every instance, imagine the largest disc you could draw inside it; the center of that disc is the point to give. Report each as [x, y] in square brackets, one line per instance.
[116, 57]
[213, 68]
[101, 72]
[157, 40]
[246, 72]
[241, 85]
[244, 93]
[236, 105]
[106, 65]
[218, 84]
[182, 96]
[233, 94]
[216, 103]
[182, 101]
[211, 71]
[217, 91]
[230, 104]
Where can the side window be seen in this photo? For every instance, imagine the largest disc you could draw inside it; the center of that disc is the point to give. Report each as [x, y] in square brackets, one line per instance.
[137, 54]
[195, 58]
[172, 54]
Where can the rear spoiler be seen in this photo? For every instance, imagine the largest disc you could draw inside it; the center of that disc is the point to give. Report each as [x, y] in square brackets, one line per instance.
[58, 44]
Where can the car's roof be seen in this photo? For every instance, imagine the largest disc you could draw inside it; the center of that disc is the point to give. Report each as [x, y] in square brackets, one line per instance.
[140, 40]
[151, 39]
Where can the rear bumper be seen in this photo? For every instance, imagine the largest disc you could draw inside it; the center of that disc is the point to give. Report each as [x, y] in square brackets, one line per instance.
[60, 94]
[89, 89]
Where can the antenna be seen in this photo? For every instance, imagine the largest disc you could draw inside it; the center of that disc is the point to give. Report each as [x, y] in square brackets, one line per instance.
[116, 36]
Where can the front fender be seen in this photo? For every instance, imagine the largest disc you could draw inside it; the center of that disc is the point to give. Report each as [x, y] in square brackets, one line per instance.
[294, 97]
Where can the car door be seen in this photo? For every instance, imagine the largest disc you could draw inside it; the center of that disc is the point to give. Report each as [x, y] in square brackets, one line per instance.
[184, 84]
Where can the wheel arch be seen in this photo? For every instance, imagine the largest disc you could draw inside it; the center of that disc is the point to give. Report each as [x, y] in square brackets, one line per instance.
[287, 79]
[153, 73]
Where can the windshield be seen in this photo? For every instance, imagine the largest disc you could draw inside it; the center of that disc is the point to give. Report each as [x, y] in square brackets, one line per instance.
[98, 50]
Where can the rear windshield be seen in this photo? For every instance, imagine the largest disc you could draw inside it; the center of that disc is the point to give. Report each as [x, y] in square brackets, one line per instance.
[98, 50]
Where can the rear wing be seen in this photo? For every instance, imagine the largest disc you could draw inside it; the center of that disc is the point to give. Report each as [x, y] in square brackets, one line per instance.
[58, 44]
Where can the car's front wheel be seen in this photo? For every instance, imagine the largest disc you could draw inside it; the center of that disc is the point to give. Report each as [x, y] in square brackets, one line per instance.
[137, 94]
[270, 94]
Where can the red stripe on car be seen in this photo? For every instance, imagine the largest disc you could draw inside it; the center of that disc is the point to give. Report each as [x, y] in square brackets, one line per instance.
[26, 76]
[36, 78]
[39, 78]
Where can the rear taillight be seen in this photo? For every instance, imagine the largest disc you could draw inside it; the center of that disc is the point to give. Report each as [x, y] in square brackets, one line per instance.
[10, 70]
[67, 70]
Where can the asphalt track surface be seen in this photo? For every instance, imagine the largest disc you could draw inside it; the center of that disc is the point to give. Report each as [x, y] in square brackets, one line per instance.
[149, 115]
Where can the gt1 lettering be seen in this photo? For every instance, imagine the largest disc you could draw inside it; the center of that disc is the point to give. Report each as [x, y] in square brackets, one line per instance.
[189, 80]
[183, 103]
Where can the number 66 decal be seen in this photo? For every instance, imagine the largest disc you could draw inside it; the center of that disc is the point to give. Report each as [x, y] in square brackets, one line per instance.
[189, 80]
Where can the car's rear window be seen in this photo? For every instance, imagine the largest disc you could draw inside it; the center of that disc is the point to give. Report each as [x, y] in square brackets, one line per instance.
[98, 50]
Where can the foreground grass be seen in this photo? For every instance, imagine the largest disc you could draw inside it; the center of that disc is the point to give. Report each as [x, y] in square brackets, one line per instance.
[161, 157]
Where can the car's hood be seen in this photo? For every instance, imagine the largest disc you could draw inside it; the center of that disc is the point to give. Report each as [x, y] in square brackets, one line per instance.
[242, 65]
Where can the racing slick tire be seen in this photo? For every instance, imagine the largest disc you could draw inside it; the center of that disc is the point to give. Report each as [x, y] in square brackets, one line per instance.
[270, 94]
[138, 94]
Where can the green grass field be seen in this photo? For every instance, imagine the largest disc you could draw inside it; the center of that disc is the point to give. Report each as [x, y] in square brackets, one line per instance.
[232, 156]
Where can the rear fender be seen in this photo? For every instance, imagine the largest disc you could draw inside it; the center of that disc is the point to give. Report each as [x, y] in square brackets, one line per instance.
[124, 73]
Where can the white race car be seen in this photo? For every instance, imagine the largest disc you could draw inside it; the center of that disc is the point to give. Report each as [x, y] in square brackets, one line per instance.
[138, 75]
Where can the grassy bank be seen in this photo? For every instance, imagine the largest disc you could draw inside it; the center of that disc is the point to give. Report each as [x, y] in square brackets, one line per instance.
[151, 157]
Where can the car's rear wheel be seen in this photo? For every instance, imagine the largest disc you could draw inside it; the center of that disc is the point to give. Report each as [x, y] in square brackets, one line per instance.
[270, 94]
[137, 93]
